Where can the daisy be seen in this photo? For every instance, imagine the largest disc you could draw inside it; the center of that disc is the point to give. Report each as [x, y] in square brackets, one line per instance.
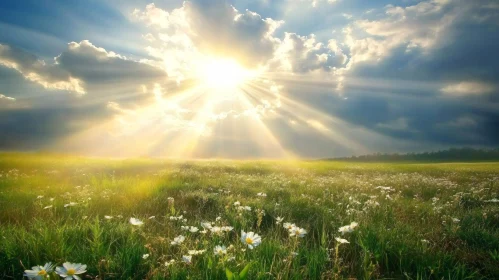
[279, 220]
[298, 232]
[288, 226]
[187, 259]
[348, 228]
[220, 250]
[136, 222]
[341, 240]
[70, 270]
[193, 229]
[251, 239]
[39, 272]
[70, 204]
[178, 240]
[168, 263]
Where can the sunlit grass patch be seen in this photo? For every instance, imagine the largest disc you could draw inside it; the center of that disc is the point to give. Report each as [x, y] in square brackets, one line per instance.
[153, 219]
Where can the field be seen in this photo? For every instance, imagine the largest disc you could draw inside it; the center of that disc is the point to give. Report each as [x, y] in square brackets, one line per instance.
[414, 220]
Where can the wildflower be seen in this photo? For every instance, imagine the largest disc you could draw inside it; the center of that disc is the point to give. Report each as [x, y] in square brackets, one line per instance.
[288, 226]
[145, 256]
[237, 203]
[39, 272]
[71, 270]
[341, 240]
[298, 232]
[348, 228]
[168, 263]
[226, 228]
[251, 239]
[108, 217]
[220, 250]
[152, 217]
[70, 204]
[218, 218]
[39, 197]
[279, 220]
[48, 207]
[187, 259]
[261, 194]
[196, 252]
[136, 222]
[178, 240]
[193, 229]
[456, 220]
[216, 230]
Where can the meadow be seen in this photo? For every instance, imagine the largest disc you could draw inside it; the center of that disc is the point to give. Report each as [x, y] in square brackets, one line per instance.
[166, 219]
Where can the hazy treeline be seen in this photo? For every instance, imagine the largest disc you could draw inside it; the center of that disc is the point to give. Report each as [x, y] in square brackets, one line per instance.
[454, 154]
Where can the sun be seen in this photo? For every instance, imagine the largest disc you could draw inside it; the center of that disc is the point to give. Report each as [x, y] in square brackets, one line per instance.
[224, 74]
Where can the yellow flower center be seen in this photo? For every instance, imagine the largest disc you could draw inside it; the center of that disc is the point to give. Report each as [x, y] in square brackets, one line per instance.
[249, 240]
[71, 271]
[42, 272]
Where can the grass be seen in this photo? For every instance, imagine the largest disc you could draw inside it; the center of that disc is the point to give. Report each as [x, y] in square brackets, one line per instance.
[416, 221]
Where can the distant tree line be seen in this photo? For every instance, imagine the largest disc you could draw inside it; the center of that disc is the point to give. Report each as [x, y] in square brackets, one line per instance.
[450, 155]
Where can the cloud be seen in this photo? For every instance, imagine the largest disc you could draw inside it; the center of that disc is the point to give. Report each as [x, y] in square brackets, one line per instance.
[50, 76]
[6, 102]
[215, 28]
[301, 54]
[467, 88]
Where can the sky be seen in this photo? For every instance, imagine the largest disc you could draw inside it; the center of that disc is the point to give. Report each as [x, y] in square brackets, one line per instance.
[248, 78]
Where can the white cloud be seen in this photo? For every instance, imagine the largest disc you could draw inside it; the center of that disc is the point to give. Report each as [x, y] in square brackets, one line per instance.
[302, 54]
[418, 26]
[50, 76]
[316, 2]
[467, 88]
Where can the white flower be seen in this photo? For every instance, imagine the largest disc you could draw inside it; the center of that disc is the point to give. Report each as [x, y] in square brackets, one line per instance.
[220, 250]
[152, 217]
[237, 203]
[193, 229]
[145, 256]
[70, 204]
[168, 263]
[262, 194]
[48, 207]
[341, 240]
[108, 217]
[178, 240]
[136, 222]
[279, 220]
[187, 259]
[298, 232]
[206, 225]
[218, 218]
[226, 228]
[216, 230]
[39, 272]
[39, 197]
[456, 220]
[196, 252]
[348, 228]
[288, 226]
[251, 239]
[70, 270]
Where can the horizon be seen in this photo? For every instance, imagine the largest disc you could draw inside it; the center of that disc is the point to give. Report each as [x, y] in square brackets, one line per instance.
[240, 79]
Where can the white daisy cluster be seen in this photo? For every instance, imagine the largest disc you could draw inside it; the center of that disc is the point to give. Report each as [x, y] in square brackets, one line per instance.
[67, 271]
